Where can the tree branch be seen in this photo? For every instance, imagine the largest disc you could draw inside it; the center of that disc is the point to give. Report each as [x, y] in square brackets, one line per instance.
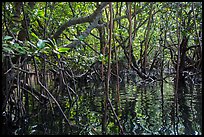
[85, 33]
[80, 20]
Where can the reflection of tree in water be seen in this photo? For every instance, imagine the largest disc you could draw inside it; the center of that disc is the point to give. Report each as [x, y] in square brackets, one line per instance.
[148, 109]
[184, 109]
[129, 117]
[198, 108]
[164, 121]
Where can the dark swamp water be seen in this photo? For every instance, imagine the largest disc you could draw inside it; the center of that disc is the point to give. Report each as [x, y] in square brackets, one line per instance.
[144, 109]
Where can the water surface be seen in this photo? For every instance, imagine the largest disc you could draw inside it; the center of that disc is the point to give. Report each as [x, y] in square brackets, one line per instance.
[143, 109]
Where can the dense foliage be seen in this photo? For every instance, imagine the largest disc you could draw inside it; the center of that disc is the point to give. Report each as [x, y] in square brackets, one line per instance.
[49, 47]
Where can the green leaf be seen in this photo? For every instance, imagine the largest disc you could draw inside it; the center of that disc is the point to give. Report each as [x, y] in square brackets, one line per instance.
[45, 50]
[101, 57]
[41, 43]
[7, 37]
[33, 34]
[41, 13]
[5, 45]
[16, 45]
[63, 49]
[54, 45]
[120, 30]
[106, 59]
[81, 38]
[20, 49]
[58, 55]
[7, 49]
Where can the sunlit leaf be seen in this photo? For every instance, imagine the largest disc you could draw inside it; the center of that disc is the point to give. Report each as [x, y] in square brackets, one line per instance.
[63, 49]
[40, 13]
[33, 34]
